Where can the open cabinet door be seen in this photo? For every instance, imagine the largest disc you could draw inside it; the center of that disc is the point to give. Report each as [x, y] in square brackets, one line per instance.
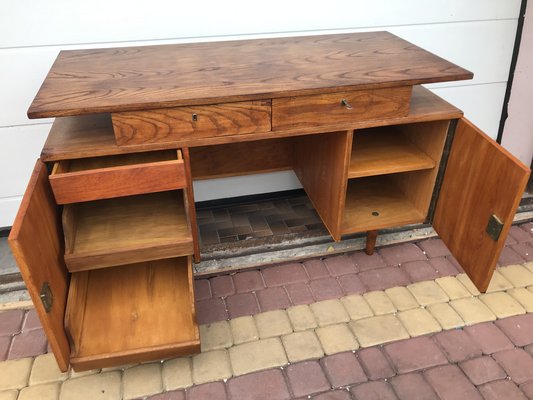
[481, 190]
[36, 242]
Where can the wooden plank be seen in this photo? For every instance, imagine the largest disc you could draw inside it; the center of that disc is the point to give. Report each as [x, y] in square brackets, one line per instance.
[353, 106]
[321, 164]
[36, 243]
[126, 230]
[91, 136]
[149, 77]
[171, 124]
[190, 206]
[140, 312]
[481, 179]
[108, 177]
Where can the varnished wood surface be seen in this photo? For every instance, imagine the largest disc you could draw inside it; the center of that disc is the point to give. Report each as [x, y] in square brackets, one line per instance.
[107, 177]
[190, 206]
[481, 179]
[172, 124]
[36, 242]
[139, 312]
[324, 109]
[91, 136]
[385, 150]
[148, 77]
[125, 230]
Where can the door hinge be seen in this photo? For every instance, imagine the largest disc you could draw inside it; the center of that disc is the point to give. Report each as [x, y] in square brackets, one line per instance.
[46, 297]
[494, 227]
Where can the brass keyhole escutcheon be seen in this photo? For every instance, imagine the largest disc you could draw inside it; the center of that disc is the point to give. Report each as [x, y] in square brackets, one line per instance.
[194, 117]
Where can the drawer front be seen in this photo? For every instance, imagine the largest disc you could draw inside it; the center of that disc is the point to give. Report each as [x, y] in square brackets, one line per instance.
[72, 185]
[340, 108]
[179, 123]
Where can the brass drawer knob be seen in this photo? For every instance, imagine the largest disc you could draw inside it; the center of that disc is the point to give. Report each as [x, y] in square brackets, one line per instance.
[345, 103]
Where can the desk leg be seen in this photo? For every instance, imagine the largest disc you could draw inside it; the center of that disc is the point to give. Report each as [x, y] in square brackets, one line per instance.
[371, 237]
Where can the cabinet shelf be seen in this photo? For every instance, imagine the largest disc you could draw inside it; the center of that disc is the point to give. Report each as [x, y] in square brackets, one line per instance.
[385, 150]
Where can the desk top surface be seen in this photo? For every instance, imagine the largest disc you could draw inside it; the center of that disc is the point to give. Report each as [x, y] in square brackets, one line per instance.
[136, 78]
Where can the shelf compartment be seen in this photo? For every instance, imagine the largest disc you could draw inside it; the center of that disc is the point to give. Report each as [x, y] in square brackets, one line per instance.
[385, 150]
[378, 194]
[126, 230]
[138, 313]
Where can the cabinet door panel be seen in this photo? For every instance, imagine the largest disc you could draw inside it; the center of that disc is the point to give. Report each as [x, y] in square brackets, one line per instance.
[36, 242]
[482, 179]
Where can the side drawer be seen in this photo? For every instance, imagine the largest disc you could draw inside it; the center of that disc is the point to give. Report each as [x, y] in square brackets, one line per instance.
[178, 123]
[340, 108]
[88, 179]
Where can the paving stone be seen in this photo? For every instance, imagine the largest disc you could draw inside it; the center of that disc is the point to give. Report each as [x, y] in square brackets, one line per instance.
[325, 289]
[524, 297]
[28, 344]
[508, 256]
[316, 269]
[427, 293]
[336, 339]
[211, 391]
[503, 389]
[414, 354]
[242, 304]
[384, 278]
[519, 329]
[520, 235]
[31, 321]
[142, 380]
[412, 387]
[502, 304]
[284, 274]
[243, 330]
[11, 322]
[211, 310]
[306, 378]
[524, 250]
[301, 318]
[343, 369]
[419, 271]
[14, 374]
[273, 323]
[47, 391]
[248, 281]
[364, 262]
[329, 312]
[529, 266]
[443, 266]
[472, 311]
[379, 303]
[216, 335]
[45, 370]
[527, 388]
[202, 290]
[222, 286]
[211, 366]
[375, 363]
[5, 343]
[457, 345]
[74, 374]
[259, 385]
[455, 263]
[378, 330]
[398, 254]
[9, 395]
[351, 284]
[334, 395]
[374, 391]
[401, 298]
[419, 322]
[299, 293]
[517, 363]
[445, 316]
[434, 248]
[301, 346]
[177, 373]
[498, 283]
[518, 275]
[357, 307]
[468, 284]
[489, 337]
[105, 386]
[453, 288]
[274, 298]
[482, 370]
[340, 265]
[461, 389]
[256, 356]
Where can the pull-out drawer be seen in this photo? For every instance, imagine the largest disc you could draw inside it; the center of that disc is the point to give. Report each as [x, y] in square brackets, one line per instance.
[178, 123]
[87, 179]
[340, 107]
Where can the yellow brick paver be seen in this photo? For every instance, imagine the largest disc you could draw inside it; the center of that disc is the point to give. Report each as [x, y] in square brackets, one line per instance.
[529, 266]
[74, 374]
[453, 288]
[215, 336]
[177, 373]
[427, 292]
[243, 330]
[445, 316]
[301, 346]
[47, 391]
[357, 307]
[502, 304]
[402, 298]
[472, 310]
[15, 374]
[104, 386]
[9, 395]
[45, 370]
[378, 330]
[142, 380]
[498, 283]
[211, 366]
[379, 302]
[301, 318]
[336, 338]
[524, 297]
[468, 284]
[518, 275]
[418, 322]
[329, 312]
[273, 323]
[256, 356]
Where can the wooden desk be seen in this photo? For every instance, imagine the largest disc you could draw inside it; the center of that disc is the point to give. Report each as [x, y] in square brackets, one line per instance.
[107, 229]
